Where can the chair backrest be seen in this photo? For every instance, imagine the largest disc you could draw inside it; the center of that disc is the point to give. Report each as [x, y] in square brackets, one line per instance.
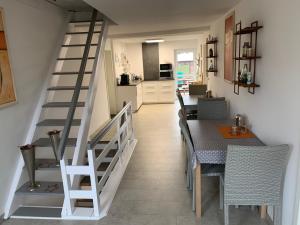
[212, 109]
[186, 133]
[254, 174]
[179, 96]
[197, 89]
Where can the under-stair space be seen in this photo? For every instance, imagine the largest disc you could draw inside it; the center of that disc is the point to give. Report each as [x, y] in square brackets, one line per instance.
[66, 106]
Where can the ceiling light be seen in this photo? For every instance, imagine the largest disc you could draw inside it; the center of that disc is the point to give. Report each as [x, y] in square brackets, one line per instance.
[154, 40]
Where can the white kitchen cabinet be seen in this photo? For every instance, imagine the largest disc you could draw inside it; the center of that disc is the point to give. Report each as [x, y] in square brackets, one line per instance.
[129, 93]
[159, 91]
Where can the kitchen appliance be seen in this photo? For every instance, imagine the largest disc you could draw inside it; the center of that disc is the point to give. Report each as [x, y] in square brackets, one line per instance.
[166, 71]
[124, 79]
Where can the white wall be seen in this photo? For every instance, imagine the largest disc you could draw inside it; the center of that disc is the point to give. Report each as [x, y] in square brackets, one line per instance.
[274, 109]
[32, 29]
[135, 58]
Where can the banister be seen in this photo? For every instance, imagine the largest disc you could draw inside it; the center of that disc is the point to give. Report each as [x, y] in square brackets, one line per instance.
[108, 126]
[75, 97]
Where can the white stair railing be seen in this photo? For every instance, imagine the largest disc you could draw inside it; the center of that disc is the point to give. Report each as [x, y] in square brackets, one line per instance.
[123, 142]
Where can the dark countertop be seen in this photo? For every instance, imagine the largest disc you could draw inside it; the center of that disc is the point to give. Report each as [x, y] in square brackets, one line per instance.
[160, 80]
[132, 83]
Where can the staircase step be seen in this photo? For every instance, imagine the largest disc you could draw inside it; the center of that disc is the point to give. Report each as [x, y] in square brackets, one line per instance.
[48, 164]
[85, 21]
[31, 212]
[61, 104]
[111, 153]
[46, 188]
[57, 122]
[45, 142]
[86, 182]
[66, 88]
[75, 58]
[70, 73]
[77, 45]
[82, 32]
[86, 203]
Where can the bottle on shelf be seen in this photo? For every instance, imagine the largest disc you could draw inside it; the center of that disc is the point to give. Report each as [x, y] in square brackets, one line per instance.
[249, 78]
[211, 65]
[245, 49]
[244, 74]
[211, 52]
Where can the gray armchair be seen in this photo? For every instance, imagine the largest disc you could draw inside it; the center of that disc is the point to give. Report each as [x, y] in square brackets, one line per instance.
[197, 89]
[212, 109]
[254, 175]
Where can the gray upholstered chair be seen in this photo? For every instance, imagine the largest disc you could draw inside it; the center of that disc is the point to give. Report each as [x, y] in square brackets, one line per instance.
[254, 175]
[209, 170]
[212, 109]
[197, 89]
[188, 115]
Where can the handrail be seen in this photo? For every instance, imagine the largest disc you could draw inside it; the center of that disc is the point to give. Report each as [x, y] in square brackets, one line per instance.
[75, 97]
[105, 129]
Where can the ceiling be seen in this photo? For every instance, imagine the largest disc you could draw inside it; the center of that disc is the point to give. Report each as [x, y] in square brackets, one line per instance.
[146, 16]
[166, 38]
[75, 5]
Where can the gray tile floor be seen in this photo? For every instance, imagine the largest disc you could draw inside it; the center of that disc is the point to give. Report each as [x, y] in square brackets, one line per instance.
[153, 189]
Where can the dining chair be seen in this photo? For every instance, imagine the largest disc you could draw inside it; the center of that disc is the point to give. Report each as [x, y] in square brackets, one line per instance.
[197, 89]
[254, 175]
[188, 114]
[212, 109]
[207, 170]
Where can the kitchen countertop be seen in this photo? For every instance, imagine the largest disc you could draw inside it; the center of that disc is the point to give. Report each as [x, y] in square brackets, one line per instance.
[160, 80]
[132, 83]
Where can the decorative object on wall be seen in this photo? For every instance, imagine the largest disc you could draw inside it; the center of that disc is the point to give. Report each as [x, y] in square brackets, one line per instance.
[246, 54]
[7, 91]
[229, 47]
[212, 55]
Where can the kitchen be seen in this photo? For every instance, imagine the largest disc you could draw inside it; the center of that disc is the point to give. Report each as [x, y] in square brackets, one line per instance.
[147, 70]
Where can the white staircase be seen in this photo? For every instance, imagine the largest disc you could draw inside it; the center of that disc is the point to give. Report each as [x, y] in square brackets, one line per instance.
[84, 184]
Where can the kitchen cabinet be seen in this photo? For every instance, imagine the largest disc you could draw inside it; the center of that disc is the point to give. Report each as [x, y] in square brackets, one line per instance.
[127, 93]
[159, 91]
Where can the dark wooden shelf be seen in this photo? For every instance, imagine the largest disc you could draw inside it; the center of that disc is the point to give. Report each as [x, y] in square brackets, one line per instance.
[248, 30]
[212, 71]
[246, 85]
[211, 42]
[247, 58]
[211, 57]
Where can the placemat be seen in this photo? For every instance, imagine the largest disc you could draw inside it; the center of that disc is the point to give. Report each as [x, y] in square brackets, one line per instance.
[226, 133]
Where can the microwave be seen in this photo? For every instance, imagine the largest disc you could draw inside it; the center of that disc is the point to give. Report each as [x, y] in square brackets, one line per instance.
[165, 75]
[167, 66]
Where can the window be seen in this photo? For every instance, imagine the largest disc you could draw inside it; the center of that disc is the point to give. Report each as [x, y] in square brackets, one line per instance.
[185, 68]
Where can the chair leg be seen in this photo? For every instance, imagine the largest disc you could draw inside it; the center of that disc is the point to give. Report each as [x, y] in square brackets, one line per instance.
[194, 194]
[221, 191]
[226, 214]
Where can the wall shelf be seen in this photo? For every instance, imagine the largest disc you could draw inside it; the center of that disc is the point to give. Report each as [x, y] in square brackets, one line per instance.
[249, 60]
[212, 44]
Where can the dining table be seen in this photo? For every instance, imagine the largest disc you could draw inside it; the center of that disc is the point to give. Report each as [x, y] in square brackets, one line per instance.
[190, 102]
[210, 147]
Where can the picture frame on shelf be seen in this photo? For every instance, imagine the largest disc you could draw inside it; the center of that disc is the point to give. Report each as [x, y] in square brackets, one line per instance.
[229, 47]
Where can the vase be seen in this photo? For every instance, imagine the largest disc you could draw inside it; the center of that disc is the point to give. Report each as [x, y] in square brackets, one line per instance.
[28, 153]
